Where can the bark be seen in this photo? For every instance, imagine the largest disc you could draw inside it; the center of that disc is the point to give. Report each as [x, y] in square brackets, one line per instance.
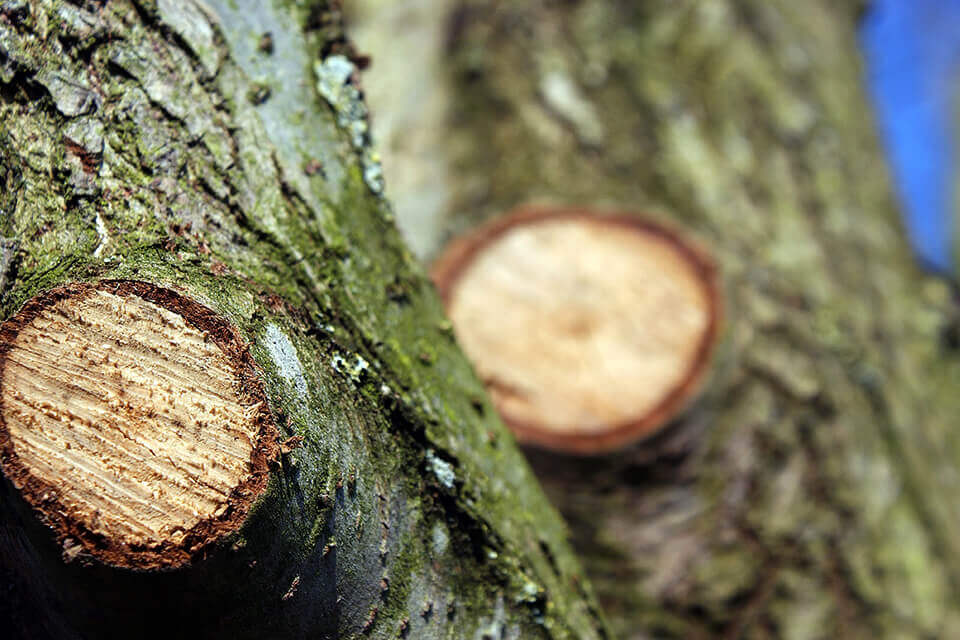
[220, 150]
[810, 493]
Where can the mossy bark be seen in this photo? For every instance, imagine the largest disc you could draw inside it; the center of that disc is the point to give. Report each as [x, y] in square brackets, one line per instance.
[812, 490]
[220, 150]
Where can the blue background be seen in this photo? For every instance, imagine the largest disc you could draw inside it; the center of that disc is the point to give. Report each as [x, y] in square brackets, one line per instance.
[912, 51]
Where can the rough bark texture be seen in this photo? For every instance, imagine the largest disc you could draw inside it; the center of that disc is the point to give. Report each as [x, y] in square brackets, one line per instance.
[220, 150]
[811, 493]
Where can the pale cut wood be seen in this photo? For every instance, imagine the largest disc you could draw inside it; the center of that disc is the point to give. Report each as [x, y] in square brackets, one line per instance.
[127, 414]
[581, 326]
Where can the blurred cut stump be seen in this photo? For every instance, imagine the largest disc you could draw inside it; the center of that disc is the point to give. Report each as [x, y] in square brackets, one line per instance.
[812, 490]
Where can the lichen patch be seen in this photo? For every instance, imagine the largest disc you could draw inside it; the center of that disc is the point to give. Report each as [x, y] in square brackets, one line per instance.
[284, 354]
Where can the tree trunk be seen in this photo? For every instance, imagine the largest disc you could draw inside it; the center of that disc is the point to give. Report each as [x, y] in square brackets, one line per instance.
[811, 491]
[177, 171]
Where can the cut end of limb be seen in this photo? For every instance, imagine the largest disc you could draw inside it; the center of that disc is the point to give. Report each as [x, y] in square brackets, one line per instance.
[132, 419]
[590, 331]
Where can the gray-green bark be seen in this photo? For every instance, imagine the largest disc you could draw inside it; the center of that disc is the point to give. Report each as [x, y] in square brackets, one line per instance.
[179, 144]
[811, 493]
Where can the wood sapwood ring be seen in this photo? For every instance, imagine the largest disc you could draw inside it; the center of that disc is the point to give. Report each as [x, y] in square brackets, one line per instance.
[585, 236]
[133, 420]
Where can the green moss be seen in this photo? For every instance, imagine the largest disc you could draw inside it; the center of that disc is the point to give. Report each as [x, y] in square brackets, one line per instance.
[203, 191]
